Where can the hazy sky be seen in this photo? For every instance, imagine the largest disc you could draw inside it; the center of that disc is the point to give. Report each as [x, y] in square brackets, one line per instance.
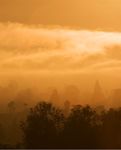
[61, 39]
[25, 47]
[57, 35]
[89, 14]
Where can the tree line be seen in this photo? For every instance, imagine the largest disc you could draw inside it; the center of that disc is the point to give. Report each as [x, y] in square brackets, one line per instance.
[47, 126]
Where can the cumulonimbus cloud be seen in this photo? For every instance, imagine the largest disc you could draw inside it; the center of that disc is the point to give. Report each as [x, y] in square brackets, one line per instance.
[57, 48]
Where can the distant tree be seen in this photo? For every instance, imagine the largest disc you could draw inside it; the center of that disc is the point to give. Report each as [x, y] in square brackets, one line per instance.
[98, 96]
[11, 106]
[42, 127]
[72, 93]
[55, 98]
[66, 108]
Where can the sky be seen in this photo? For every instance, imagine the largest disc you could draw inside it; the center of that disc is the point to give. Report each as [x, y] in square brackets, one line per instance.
[39, 48]
[60, 36]
[85, 14]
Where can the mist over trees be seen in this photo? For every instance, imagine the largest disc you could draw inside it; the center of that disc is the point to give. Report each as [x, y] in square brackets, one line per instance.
[55, 120]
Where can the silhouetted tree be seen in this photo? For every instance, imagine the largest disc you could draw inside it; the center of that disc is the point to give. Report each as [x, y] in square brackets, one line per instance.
[42, 126]
[111, 129]
[1, 134]
[78, 131]
[84, 127]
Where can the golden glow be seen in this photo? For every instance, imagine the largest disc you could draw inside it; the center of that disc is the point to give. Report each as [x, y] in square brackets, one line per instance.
[91, 14]
[61, 40]
[44, 49]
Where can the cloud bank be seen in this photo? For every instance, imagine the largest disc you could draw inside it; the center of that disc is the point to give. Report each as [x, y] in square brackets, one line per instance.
[39, 48]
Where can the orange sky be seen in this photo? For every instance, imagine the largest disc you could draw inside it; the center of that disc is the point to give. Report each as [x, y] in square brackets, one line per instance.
[58, 40]
[45, 48]
[89, 14]
[61, 35]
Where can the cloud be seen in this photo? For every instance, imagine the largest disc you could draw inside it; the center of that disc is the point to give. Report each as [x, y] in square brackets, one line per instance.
[55, 48]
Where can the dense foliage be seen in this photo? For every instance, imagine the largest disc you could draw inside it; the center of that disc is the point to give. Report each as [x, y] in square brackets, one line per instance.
[84, 127]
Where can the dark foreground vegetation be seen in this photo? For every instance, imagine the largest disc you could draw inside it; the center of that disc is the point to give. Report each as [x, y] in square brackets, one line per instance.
[80, 127]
